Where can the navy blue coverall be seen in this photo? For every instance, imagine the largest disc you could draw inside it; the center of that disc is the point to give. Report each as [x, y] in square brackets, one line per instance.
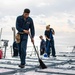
[15, 49]
[50, 44]
[24, 24]
[42, 47]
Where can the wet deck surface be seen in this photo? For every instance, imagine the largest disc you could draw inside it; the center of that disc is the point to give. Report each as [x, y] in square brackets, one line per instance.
[63, 64]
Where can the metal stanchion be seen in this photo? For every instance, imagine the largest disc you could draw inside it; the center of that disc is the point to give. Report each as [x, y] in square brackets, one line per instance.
[5, 46]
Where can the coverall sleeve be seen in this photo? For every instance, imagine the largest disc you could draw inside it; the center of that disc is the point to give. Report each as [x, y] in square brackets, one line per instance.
[53, 32]
[18, 25]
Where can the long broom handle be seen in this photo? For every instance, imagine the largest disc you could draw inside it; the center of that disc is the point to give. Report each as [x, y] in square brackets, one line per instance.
[34, 47]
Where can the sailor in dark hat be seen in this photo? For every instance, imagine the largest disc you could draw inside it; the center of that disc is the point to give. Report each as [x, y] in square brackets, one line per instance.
[23, 24]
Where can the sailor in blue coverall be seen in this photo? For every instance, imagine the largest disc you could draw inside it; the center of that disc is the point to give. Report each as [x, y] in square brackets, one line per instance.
[42, 45]
[23, 24]
[50, 41]
[15, 49]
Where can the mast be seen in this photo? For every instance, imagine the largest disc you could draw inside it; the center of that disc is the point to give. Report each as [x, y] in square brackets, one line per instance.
[14, 33]
[0, 35]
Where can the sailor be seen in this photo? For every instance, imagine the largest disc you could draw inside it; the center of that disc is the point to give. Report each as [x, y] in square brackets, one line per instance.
[15, 49]
[73, 49]
[23, 24]
[49, 32]
[42, 45]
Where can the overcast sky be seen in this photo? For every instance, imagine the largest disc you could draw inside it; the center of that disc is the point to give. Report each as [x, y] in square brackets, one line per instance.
[60, 14]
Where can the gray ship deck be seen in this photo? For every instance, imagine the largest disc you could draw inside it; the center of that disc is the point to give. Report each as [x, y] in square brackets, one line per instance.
[63, 64]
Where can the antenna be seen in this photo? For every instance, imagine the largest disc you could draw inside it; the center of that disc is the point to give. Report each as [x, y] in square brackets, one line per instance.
[0, 35]
[13, 29]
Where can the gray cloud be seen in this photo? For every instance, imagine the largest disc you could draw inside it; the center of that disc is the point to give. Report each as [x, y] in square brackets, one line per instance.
[56, 7]
[71, 24]
[46, 7]
[40, 9]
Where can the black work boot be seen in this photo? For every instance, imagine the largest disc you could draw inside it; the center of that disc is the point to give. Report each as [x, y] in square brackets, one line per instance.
[21, 66]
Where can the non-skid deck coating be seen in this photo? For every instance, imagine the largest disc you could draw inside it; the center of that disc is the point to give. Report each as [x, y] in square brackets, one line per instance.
[63, 64]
